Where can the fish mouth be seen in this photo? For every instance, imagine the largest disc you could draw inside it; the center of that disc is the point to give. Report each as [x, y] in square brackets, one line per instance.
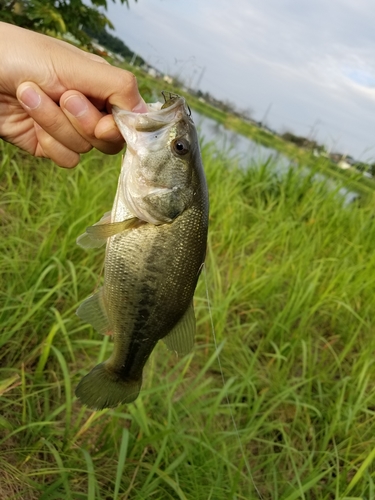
[170, 98]
[158, 115]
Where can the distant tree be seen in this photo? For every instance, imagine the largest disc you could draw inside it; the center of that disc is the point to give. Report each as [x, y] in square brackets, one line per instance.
[364, 167]
[113, 43]
[301, 141]
[56, 17]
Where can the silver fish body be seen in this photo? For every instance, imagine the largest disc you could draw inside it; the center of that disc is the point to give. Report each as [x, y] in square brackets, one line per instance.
[156, 239]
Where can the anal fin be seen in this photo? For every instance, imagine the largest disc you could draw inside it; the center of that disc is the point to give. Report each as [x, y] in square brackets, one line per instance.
[181, 338]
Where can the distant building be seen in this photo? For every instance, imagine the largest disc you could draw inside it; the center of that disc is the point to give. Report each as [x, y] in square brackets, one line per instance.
[344, 164]
[168, 79]
[99, 49]
[119, 58]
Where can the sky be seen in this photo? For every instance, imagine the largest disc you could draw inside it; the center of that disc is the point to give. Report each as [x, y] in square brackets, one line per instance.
[305, 66]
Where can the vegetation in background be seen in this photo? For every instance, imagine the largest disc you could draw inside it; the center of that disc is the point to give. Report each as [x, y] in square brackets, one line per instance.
[114, 45]
[57, 17]
[288, 290]
[301, 141]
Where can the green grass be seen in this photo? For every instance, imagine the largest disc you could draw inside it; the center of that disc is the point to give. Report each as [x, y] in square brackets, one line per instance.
[289, 283]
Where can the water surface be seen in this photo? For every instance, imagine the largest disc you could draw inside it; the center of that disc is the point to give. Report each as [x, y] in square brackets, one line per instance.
[236, 146]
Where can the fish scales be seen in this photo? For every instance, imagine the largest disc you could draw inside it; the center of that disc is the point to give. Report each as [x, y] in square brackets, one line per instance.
[156, 239]
[160, 281]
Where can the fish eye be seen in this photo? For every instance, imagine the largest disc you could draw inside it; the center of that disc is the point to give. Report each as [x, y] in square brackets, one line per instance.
[180, 147]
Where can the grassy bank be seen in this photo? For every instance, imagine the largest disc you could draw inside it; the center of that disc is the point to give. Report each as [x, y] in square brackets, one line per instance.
[289, 278]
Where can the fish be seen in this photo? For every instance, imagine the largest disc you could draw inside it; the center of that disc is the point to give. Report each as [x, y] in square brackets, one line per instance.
[156, 238]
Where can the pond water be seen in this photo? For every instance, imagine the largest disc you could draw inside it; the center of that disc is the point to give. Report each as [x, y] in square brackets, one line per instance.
[248, 153]
[236, 146]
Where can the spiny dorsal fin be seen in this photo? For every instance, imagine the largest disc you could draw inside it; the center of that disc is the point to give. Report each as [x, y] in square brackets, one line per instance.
[181, 338]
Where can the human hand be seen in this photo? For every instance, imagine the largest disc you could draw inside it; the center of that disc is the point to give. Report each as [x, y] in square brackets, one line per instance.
[55, 99]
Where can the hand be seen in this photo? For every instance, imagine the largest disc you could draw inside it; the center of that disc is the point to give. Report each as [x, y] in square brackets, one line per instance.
[55, 99]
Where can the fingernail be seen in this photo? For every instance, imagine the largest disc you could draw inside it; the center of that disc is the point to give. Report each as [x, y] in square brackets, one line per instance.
[141, 107]
[30, 98]
[75, 105]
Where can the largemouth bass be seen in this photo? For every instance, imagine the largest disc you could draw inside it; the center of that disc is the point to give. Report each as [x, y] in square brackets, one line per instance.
[155, 238]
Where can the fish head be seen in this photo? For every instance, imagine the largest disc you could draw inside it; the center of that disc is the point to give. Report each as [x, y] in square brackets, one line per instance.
[159, 172]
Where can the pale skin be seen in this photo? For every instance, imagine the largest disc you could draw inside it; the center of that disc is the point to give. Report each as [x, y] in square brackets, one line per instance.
[55, 99]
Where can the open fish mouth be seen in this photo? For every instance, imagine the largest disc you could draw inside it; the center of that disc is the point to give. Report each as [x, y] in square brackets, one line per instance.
[170, 98]
[158, 115]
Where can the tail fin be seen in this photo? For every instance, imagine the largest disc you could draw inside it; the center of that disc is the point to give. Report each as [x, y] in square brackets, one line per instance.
[104, 388]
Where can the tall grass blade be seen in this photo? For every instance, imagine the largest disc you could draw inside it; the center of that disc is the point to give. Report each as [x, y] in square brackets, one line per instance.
[121, 462]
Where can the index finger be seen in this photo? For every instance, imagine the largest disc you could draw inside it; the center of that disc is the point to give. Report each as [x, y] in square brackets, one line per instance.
[102, 83]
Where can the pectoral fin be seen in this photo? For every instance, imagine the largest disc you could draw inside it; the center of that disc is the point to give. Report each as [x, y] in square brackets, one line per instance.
[86, 241]
[106, 218]
[93, 311]
[181, 338]
[97, 235]
[104, 231]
